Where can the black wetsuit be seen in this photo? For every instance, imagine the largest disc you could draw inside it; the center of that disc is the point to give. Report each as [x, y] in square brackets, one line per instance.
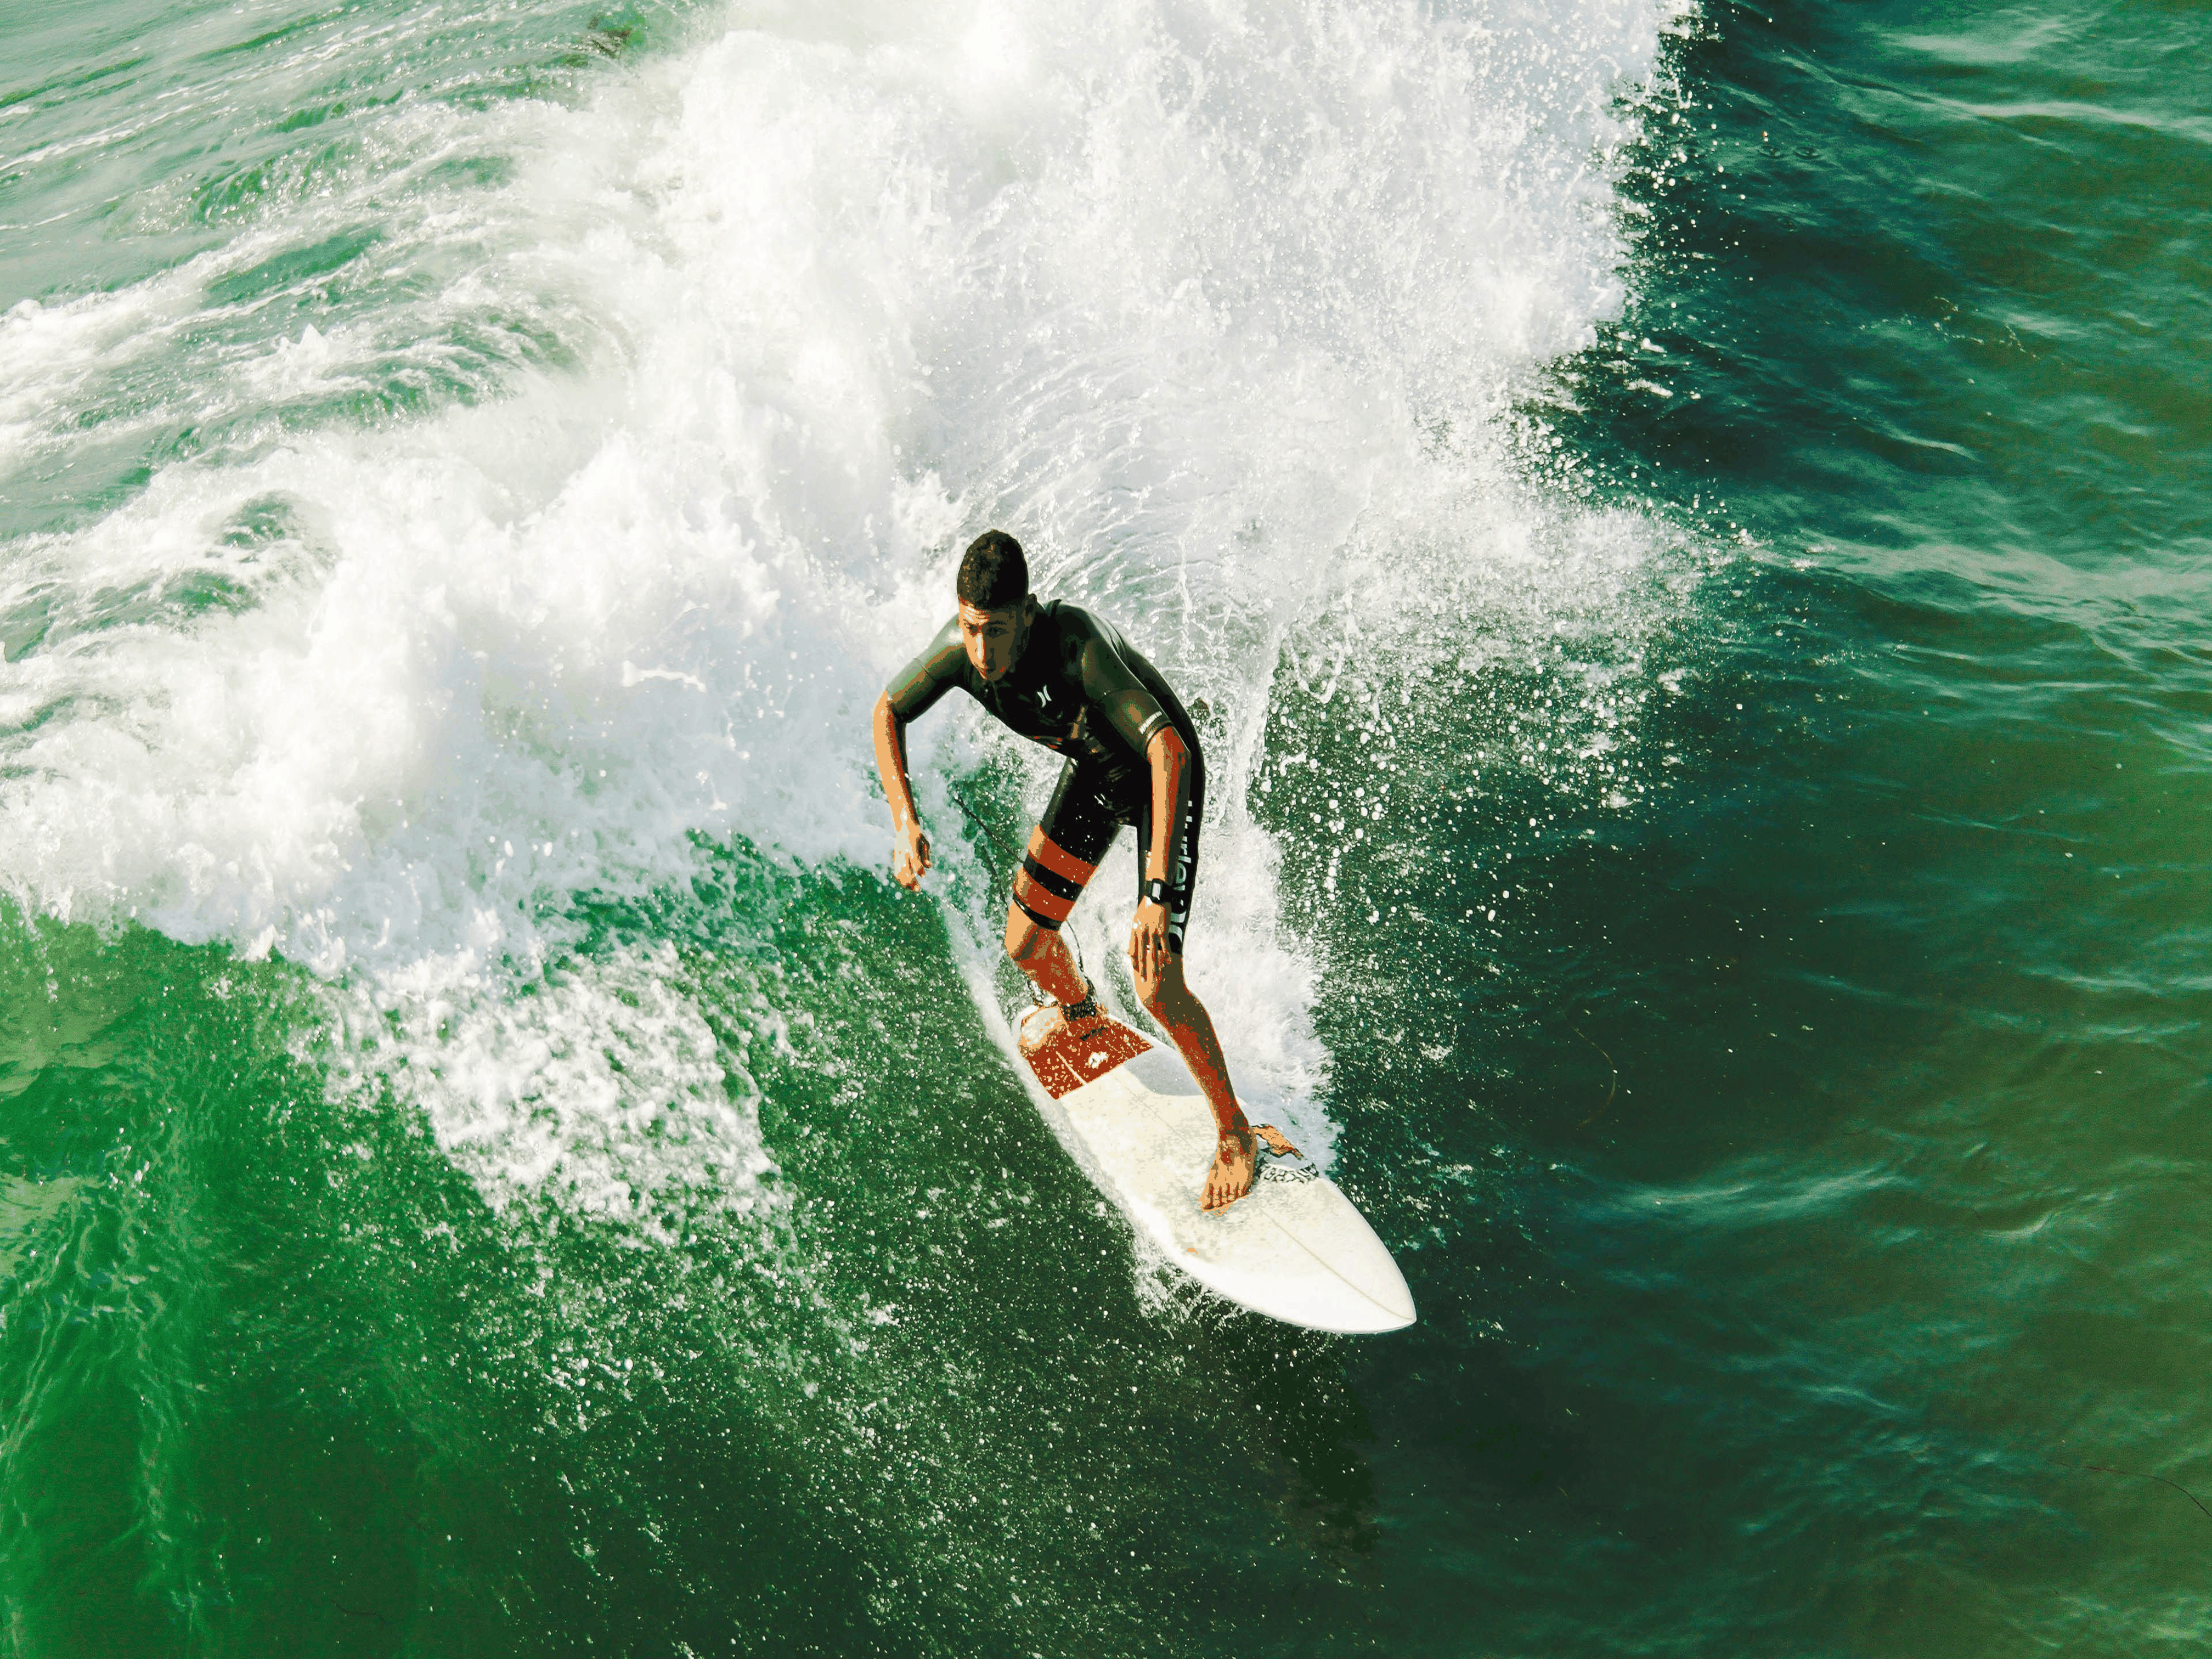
[1082, 690]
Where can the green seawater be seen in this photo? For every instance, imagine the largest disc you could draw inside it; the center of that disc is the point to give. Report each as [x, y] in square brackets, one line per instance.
[1757, 975]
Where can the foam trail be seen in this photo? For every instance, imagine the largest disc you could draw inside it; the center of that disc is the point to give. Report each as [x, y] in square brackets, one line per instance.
[1214, 306]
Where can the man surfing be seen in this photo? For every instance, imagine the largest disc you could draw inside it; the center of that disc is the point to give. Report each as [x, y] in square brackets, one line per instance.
[1062, 678]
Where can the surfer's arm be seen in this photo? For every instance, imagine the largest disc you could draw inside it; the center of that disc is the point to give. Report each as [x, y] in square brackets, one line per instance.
[1169, 757]
[912, 693]
[910, 853]
[1113, 688]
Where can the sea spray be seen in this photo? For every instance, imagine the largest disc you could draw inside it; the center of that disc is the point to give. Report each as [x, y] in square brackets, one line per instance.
[421, 650]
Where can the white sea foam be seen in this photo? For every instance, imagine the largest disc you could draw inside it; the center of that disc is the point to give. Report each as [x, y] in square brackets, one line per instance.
[1213, 305]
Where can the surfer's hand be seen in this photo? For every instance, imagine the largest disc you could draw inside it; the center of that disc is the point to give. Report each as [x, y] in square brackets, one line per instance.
[1148, 939]
[910, 858]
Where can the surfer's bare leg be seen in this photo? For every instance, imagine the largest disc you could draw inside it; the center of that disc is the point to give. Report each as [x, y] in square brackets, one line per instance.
[1169, 999]
[1044, 957]
[1045, 890]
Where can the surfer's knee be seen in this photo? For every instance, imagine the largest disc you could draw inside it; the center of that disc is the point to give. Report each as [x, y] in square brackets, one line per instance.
[1152, 996]
[1023, 935]
[1164, 995]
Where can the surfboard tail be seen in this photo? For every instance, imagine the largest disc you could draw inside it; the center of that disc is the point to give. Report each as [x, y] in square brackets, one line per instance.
[1073, 1058]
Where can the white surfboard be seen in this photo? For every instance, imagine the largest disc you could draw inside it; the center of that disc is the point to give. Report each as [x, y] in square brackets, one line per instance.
[1294, 1247]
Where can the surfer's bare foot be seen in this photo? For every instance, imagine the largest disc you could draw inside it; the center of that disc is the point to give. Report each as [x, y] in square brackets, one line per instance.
[1231, 1177]
[1235, 1160]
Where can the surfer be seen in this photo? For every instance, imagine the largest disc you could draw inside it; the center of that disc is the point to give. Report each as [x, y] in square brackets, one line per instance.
[1062, 678]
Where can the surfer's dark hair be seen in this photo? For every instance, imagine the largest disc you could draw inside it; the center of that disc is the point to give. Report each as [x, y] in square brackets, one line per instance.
[993, 574]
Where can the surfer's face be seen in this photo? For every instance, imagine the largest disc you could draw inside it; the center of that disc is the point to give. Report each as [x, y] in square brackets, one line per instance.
[995, 638]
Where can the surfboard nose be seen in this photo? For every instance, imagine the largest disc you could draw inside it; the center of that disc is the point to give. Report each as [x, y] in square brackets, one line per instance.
[1393, 1302]
[1356, 1291]
[1303, 1255]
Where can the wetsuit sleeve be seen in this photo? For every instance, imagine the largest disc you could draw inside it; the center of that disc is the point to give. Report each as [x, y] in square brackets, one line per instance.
[1112, 689]
[915, 690]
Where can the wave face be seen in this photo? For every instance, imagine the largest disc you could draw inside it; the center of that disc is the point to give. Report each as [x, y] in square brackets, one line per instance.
[508, 495]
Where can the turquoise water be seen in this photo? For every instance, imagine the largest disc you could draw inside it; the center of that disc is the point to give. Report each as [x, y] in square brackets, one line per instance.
[1686, 526]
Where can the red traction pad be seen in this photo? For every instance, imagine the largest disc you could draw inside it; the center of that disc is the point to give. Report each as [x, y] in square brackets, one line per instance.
[1070, 1061]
